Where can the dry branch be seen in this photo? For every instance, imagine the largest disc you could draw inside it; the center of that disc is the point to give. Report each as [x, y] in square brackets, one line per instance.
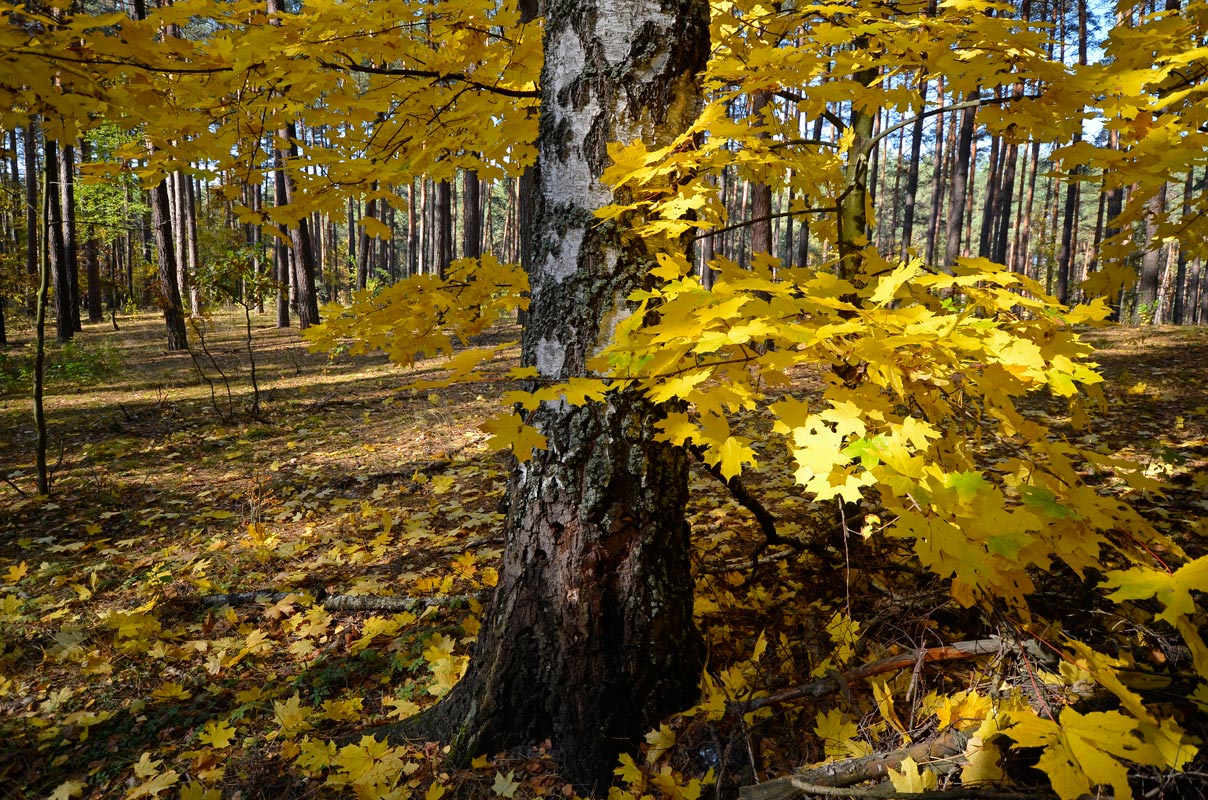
[943, 754]
[347, 602]
[950, 652]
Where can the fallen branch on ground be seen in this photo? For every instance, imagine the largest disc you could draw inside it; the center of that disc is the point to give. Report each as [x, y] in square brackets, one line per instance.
[950, 652]
[347, 602]
[943, 754]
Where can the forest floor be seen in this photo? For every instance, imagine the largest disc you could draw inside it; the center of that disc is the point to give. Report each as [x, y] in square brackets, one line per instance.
[195, 611]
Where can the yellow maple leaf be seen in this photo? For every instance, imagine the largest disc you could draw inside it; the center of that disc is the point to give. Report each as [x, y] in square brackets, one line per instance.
[154, 786]
[194, 790]
[660, 740]
[16, 573]
[68, 789]
[217, 733]
[908, 779]
[838, 735]
[510, 431]
[505, 785]
[291, 715]
[171, 691]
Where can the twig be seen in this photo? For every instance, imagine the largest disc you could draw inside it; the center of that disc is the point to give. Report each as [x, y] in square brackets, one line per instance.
[16, 488]
[767, 523]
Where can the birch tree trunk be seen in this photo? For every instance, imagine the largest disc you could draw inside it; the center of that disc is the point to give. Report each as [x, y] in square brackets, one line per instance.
[589, 639]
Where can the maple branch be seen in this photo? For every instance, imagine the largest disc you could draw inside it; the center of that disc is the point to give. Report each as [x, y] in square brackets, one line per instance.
[767, 523]
[428, 73]
[977, 102]
[122, 62]
[797, 97]
[748, 223]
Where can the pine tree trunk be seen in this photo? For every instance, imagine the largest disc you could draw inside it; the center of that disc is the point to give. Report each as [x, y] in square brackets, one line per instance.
[761, 193]
[912, 170]
[1177, 312]
[64, 328]
[960, 180]
[589, 640]
[443, 228]
[71, 256]
[169, 292]
[31, 204]
[939, 175]
[471, 225]
[1147, 310]
[189, 212]
[303, 254]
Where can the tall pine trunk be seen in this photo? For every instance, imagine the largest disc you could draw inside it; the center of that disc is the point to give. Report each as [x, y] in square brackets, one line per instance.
[169, 292]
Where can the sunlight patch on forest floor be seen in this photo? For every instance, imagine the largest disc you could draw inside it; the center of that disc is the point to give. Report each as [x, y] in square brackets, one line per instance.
[125, 672]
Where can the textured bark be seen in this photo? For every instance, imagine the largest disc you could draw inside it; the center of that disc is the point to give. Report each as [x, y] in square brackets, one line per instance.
[1152, 263]
[912, 170]
[92, 261]
[71, 258]
[471, 226]
[54, 244]
[31, 200]
[443, 228]
[281, 263]
[169, 293]
[761, 193]
[960, 179]
[589, 640]
[302, 252]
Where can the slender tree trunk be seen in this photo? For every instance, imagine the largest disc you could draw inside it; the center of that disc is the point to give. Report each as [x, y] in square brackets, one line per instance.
[960, 180]
[939, 175]
[1147, 310]
[912, 169]
[71, 256]
[993, 180]
[31, 203]
[412, 231]
[281, 260]
[1178, 312]
[589, 640]
[303, 254]
[40, 302]
[444, 227]
[64, 326]
[761, 193]
[189, 214]
[92, 262]
[1005, 199]
[169, 291]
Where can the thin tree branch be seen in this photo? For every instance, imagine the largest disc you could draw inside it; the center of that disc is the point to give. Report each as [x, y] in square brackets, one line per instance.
[439, 76]
[747, 223]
